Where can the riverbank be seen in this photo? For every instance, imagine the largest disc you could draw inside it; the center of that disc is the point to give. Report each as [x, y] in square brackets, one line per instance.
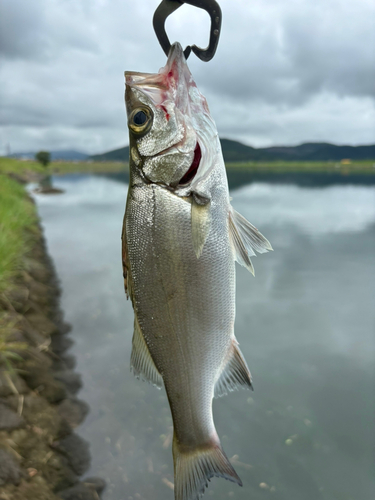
[41, 457]
[31, 171]
[345, 167]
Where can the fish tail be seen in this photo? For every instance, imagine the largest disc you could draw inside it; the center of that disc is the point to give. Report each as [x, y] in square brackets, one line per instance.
[194, 468]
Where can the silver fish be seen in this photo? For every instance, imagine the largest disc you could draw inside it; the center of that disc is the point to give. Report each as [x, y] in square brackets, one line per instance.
[181, 238]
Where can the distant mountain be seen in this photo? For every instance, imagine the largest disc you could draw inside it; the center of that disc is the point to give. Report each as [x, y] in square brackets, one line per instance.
[234, 151]
[69, 155]
[321, 151]
[66, 154]
[121, 154]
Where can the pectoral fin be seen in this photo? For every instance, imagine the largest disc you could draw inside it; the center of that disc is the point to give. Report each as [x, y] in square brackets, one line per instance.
[141, 362]
[246, 238]
[235, 373]
[200, 225]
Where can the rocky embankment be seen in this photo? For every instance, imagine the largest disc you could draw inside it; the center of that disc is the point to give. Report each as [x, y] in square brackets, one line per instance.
[41, 457]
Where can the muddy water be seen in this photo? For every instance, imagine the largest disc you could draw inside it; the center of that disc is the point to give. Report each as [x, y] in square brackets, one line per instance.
[305, 324]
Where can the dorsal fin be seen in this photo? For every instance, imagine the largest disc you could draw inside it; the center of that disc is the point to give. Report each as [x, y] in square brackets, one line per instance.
[246, 238]
[141, 362]
[235, 374]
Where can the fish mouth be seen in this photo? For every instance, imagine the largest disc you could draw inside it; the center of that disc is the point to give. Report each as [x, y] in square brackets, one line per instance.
[173, 78]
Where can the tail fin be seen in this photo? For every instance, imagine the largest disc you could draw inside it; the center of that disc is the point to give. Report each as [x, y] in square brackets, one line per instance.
[193, 469]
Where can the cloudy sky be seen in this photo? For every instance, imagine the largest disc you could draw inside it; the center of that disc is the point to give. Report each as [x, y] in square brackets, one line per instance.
[285, 72]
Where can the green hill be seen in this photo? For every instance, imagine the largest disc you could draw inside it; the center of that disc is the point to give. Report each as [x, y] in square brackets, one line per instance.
[121, 154]
[321, 151]
[234, 151]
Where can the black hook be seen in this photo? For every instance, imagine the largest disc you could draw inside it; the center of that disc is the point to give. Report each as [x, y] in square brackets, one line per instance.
[168, 6]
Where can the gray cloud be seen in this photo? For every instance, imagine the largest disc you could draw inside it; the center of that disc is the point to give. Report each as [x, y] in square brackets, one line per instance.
[43, 29]
[284, 72]
[291, 51]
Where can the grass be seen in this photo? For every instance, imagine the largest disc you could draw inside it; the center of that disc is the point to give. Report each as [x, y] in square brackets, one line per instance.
[86, 167]
[22, 167]
[18, 227]
[10, 165]
[18, 224]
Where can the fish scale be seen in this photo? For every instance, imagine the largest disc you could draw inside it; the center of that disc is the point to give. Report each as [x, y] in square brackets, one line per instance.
[180, 243]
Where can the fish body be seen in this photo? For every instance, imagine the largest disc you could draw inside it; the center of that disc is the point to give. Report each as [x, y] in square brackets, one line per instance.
[181, 238]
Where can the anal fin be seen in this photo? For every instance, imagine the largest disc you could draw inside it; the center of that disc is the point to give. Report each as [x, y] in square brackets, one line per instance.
[235, 374]
[246, 238]
[141, 362]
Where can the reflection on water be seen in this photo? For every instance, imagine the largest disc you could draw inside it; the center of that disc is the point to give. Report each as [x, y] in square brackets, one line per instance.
[237, 177]
[305, 325]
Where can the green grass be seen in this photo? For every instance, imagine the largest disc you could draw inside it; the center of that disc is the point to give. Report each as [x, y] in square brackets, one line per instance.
[23, 167]
[10, 165]
[18, 225]
[86, 167]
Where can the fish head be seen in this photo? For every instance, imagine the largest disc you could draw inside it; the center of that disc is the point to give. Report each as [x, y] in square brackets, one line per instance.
[164, 111]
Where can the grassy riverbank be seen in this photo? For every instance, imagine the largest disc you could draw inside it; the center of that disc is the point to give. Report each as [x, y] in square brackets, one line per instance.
[18, 227]
[40, 455]
[30, 170]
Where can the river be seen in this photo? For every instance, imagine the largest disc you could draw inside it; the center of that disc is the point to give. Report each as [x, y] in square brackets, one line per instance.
[305, 324]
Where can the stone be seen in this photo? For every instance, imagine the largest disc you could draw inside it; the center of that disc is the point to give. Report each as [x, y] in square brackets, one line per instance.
[58, 473]
[18, 297]
[18, 436]
[60, 344]
[76, 449]
[31, 490]
[40, 293]
[71, 380]
[32, 335]
[64, 327]
[44, 382]
[42, 324]
[6, 388]
[40, 414]
[64, 362]
[38, 270]
[96, 483]
[73, 410]
[78, 492]
[10, 471]
[9, 420]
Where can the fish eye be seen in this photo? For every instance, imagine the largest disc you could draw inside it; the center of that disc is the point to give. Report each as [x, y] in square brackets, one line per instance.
[140, 120]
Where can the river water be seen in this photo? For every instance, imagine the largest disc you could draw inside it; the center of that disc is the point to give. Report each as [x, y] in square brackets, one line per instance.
[305, 324]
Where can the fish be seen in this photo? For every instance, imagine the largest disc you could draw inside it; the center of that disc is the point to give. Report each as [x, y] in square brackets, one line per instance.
[180, 240]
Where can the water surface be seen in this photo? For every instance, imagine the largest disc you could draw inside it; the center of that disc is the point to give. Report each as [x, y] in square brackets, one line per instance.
[305, 324]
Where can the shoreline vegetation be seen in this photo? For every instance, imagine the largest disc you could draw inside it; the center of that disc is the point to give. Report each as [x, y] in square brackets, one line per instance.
[41, 457]
[31, 171]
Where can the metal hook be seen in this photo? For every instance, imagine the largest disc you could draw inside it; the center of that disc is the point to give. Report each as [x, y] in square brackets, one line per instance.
[168, 6]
